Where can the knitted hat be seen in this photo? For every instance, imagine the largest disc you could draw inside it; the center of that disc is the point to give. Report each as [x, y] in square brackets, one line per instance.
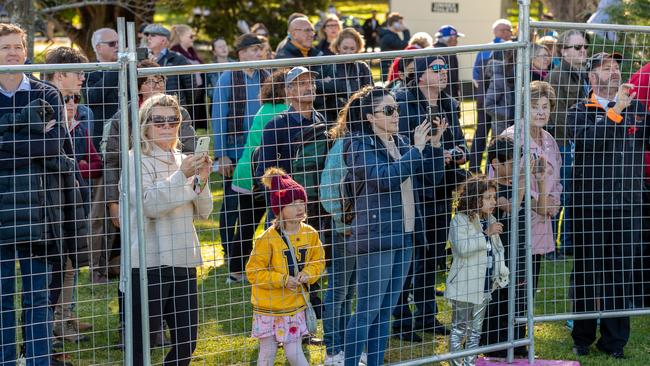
[283, 189]
[422, 64]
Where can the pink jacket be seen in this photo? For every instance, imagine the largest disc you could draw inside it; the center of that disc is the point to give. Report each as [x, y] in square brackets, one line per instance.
[542, 229]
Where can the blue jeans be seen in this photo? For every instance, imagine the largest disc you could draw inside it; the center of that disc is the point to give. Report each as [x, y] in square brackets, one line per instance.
[566, 176]
[338, 296]
[380, 279]
[35, 304]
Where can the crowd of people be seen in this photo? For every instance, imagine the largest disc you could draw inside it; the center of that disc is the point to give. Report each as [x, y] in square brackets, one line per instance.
[366, 186]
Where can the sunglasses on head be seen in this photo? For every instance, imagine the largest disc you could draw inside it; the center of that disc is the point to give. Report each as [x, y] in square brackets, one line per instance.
[439, 67]
[577, 47]
[160, 121]
[389, 110]
[75, 97]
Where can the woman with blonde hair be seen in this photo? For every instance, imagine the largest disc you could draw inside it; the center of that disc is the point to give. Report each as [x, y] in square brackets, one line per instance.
[175, 190]
[182, 41]
[328, 32]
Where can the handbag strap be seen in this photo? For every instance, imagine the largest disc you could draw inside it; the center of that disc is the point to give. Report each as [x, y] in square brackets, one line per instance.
[286, 240]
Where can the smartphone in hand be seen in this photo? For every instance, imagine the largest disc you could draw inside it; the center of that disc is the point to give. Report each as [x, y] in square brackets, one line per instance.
[202, 145]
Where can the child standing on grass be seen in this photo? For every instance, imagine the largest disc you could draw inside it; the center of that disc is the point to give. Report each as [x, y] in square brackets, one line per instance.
[478, 265]
[278, 282]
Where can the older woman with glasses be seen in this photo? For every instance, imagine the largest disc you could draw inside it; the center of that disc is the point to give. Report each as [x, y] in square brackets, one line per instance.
[540, 63]
[175, 190]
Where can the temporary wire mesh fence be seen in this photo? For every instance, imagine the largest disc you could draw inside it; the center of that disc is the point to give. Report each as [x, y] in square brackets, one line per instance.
[406, 266]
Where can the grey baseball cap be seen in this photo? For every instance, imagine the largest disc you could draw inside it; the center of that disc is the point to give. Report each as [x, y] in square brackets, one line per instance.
[158, 30]
[297, 71]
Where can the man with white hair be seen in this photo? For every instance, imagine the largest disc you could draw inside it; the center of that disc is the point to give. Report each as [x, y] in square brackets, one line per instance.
[502, 30]
[100, 87]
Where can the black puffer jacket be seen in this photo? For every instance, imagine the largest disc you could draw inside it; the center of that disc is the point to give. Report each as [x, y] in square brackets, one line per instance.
[609, 149]
[41, 207]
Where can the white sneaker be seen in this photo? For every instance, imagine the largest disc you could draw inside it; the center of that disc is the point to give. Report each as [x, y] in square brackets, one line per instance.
[336, 360]
[363, 361]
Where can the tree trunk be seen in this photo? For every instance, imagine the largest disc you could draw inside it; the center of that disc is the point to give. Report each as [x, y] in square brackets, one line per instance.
[571, 11]
[95, 17]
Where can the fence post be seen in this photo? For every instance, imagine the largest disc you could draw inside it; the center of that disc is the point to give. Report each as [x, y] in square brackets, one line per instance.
[514, 218]
[125, 231]
[137, 154]
[524, 35]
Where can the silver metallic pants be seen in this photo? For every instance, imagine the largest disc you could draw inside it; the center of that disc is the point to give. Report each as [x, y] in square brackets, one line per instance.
[466, 325]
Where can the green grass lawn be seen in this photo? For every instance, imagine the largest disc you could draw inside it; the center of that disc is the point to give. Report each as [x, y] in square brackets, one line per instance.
[225, 313]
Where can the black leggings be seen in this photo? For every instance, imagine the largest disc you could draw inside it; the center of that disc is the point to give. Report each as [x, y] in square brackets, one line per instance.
[173, 298]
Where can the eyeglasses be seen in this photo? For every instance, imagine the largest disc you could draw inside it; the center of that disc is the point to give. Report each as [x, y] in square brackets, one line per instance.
[76, 73]
[109, 43]
[307, 30]
[439, 67]
[74, 97]
[160, 121]
[155, 82]
[577, 47]
[388, 110]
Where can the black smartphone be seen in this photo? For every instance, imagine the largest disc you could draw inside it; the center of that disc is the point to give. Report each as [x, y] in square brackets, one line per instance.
[433, 115]
[142, 53]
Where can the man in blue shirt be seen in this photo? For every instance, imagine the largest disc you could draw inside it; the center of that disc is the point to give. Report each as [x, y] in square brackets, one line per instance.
[235, 103]
[502, 30]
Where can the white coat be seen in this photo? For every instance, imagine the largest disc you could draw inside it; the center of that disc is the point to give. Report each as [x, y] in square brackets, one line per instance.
[466, 279]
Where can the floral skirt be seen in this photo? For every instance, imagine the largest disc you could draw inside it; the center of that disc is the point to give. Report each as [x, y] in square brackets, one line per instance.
[285, 329]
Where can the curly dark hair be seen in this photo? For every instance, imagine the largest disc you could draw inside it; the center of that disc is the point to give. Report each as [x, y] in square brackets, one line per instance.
[469, 195]
[272, 90]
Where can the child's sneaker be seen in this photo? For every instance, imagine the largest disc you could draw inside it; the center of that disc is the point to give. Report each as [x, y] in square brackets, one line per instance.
[336, 360]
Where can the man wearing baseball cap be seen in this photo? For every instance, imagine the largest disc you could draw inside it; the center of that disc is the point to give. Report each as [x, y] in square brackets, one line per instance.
[447, 36]
[157, 38]
[300, 88]
[235, 104]
[610, 138]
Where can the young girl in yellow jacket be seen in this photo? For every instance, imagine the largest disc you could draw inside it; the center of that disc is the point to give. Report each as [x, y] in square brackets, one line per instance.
[278, 304]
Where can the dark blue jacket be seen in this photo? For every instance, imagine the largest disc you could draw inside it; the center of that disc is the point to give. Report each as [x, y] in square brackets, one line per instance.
[413, 111]
[277, 149]
[378, 223]
[609, 152]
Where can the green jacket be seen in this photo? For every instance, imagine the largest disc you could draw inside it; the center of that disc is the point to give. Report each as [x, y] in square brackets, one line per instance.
[242, 180]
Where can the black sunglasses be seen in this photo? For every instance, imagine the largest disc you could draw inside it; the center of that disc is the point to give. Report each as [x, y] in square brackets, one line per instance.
[439, 67]
[389, 110]
[75, 97]
[172, 121]
[110, 43]
[577, 47]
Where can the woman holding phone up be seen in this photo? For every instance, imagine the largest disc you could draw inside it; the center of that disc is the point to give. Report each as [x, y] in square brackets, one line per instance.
[175, 190]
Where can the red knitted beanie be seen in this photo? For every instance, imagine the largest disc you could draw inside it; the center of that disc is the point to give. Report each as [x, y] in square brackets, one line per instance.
[283, 189]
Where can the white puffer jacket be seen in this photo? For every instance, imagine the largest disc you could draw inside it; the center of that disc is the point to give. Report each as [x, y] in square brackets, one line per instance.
[466, 279]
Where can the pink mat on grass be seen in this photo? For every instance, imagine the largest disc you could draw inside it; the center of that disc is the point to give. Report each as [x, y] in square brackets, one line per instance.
[488, 361]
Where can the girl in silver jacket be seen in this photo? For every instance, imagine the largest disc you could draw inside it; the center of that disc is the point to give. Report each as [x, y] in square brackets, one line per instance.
[478, 265]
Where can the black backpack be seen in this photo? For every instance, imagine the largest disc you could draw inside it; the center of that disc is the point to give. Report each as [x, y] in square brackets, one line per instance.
[351, 188]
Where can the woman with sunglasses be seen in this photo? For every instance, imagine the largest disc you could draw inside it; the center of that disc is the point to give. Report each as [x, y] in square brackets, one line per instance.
[385, 170]
[175, 190]
[106, 248]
